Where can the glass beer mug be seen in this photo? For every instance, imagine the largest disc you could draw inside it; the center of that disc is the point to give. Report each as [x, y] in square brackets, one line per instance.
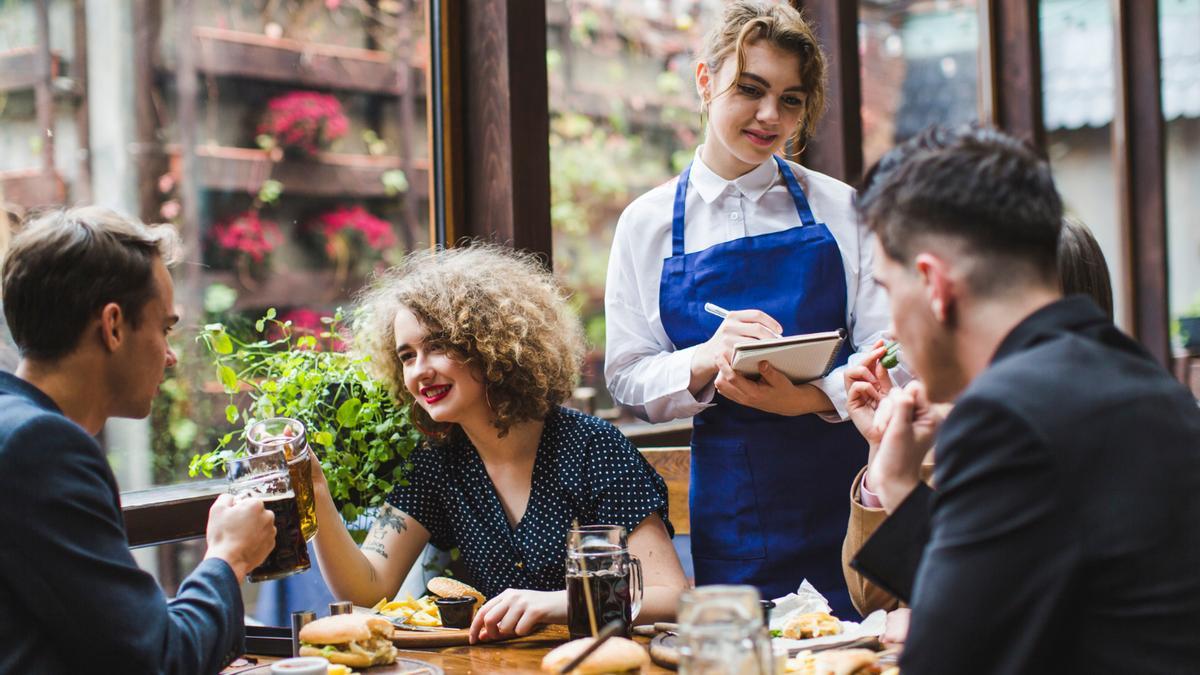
[288, 435]
[265, 476]
[602, 574]
[721, 632]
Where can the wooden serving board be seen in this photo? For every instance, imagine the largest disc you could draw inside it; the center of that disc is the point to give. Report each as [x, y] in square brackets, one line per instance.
[412, 639]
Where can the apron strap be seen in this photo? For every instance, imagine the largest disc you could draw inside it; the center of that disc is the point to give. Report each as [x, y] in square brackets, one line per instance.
[802, 208]
[677, 212]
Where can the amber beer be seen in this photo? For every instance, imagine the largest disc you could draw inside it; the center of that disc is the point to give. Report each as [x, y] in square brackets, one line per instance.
[284, 433]
[265, 476]
[290, 554]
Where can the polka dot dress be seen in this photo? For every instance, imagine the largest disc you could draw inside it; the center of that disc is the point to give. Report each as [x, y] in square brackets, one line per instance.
[585, 469]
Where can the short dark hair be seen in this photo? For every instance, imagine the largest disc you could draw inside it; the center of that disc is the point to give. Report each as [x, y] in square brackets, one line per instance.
[1081, 265]
[991, 193]
[64, 266]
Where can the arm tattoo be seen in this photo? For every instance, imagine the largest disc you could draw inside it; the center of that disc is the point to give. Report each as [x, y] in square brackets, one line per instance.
[389, 519]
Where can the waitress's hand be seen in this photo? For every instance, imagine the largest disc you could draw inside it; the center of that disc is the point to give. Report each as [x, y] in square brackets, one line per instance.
[739, 326]
[895, 627]
[517, 612]
[773, 392]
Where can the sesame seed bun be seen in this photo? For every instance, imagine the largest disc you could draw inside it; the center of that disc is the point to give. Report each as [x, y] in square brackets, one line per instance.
[616, 655]
[445, 587]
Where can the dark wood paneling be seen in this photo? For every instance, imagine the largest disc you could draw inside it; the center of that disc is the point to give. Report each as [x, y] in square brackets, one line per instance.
[151, 160]
[81, 191]
[836, 148]
[32, 188]
[1139, 154]
[172, 513]
[1011, 68]
[43, 88]
[505, 108]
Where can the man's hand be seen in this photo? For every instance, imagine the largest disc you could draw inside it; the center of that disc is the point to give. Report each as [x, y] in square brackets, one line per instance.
[867, 385]
[907, 424]
[518, 612]
[241, 532]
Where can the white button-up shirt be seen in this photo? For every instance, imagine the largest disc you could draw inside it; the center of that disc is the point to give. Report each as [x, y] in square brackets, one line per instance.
[643, 368]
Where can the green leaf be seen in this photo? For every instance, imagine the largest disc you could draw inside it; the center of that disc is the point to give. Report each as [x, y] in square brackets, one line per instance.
[231, 413]
[222, 344]
[228, 378]
[394, 182]
[260, 325]
[347, 413]
[323, 438]
[219, 298]
[271, 313]
[306, 342]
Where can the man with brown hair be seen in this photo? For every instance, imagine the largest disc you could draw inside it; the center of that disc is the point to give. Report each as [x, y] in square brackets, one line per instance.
[90, 303]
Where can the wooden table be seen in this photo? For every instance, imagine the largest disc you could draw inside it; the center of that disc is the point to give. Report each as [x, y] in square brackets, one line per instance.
[522, 655]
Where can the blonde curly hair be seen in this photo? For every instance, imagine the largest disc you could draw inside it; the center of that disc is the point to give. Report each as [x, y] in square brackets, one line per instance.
[495, 309]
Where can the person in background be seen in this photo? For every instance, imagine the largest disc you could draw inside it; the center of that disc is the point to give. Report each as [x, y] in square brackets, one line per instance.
[480, 342]
[1082, 270]
[1061, 536]
[90, 304]
[782, 248]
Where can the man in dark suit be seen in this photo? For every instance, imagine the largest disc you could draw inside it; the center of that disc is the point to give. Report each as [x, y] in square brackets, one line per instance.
[1064, 532]
[90, 303]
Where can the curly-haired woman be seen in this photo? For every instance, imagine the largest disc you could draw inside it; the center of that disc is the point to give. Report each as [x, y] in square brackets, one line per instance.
[480, 341]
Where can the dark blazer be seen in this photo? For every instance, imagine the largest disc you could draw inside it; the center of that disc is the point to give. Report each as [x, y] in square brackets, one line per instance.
[1064, 535]
[72, 599]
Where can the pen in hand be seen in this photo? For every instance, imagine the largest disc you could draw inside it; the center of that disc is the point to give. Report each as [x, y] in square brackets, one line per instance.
[716, 310]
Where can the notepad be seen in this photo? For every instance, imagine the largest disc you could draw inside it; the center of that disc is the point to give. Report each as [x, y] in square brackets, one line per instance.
[802, 358]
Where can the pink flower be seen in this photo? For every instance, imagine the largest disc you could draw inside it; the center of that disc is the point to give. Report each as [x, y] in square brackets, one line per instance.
[169, 209]
[306, 321]
[304, 119]
[355, 221]
[247, 234]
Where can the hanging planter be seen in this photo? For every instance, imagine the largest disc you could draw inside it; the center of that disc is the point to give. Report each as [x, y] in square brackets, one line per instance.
[302, 122]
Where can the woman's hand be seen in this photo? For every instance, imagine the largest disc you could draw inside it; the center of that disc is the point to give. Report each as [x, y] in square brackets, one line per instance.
[518, 612]
[318, 474]
[739, 326]
[867, 385]
[773, 392]
[895, 628]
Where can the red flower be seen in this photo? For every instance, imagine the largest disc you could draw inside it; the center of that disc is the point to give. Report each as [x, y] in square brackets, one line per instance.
[306, 321]
[376, 232]
[247, 234]
[305, 120]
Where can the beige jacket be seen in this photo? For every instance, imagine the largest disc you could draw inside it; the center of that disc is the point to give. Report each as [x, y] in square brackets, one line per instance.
[868, 597]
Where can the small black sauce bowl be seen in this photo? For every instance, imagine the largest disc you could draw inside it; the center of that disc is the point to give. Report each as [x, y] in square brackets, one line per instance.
[767, 606]
[456, 612]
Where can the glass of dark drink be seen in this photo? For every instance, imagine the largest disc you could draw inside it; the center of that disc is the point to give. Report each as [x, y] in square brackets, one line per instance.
[288, 435]
[265, 476]
[604, 581]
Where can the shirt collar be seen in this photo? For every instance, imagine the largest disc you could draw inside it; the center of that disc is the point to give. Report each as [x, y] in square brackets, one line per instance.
[1073, 314]
[752, 185]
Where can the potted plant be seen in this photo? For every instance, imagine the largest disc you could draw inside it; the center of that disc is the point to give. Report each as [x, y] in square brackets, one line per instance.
[1187, 326]
[302, 121]
[358, 431]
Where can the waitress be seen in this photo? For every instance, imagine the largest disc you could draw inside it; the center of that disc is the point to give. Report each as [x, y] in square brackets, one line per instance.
[782, 248]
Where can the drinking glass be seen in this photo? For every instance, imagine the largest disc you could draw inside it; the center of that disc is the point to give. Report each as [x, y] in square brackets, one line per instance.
[287, 434]
[265, 476]
[721, 632]
[602, 574]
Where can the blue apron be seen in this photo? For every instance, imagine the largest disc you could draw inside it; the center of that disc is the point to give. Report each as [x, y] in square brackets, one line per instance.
[769, 493]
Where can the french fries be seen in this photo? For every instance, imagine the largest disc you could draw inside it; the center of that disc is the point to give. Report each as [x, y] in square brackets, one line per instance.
[420, 612]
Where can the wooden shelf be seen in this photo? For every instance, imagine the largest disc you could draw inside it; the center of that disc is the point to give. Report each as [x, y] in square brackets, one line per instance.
[18, 68]
[251, 55]
[32, 188]
[328, 174]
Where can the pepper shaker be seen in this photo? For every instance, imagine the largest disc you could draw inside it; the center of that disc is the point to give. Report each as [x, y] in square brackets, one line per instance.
[341, 607]
[300, 620]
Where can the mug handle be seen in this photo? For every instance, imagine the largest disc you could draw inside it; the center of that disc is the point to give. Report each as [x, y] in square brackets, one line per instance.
[636, 588]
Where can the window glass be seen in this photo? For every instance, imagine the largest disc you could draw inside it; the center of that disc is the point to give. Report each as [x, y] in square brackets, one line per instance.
[1180, 24]
[1077, 81]
[919, 67]
[624, 117]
